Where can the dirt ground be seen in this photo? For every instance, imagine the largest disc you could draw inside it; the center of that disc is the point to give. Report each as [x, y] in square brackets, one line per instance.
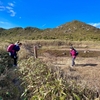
[86, 70]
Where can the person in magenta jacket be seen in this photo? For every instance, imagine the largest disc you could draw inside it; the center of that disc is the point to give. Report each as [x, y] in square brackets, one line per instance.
[73, 54]
[13, 52]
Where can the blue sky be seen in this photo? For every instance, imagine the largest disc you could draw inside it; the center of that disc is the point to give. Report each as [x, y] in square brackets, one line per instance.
[48, 13]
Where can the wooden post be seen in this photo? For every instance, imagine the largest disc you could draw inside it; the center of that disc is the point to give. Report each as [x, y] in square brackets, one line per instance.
[35, 51]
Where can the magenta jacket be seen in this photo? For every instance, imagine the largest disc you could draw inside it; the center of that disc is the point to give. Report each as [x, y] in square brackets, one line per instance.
[72, 52]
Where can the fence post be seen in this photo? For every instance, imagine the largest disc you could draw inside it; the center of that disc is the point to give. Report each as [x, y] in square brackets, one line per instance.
[35, 51]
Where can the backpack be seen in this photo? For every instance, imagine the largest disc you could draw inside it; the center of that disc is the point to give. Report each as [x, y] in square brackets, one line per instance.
[10, 48]
[76, 52]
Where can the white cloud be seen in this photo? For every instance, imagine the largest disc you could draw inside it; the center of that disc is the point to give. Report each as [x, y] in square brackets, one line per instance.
[6, 25]
[11, 4]
[8, 8]
[1, 22]
[2, 8]
[12, 12]
[43, 25]
[95, 24]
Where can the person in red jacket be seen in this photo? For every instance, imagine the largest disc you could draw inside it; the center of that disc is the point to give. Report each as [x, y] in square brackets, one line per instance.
[13, 52]
[73, 54]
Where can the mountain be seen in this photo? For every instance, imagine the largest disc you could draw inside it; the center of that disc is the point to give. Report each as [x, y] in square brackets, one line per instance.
[74, 30]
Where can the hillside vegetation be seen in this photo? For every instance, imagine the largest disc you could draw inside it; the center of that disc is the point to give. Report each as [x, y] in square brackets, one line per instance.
[37, 79]
[75, 31]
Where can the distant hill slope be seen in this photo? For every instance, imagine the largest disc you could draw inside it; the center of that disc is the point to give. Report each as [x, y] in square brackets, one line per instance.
[75, 30]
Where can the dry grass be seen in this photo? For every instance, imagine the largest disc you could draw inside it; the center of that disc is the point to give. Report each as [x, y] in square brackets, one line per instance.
[63, 43]
[52, 82]
[85, 73]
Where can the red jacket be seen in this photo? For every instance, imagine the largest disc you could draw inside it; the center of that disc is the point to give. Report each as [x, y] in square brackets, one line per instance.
[73, 53]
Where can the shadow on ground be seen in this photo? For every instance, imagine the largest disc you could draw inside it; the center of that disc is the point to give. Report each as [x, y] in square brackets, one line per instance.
[89, 64]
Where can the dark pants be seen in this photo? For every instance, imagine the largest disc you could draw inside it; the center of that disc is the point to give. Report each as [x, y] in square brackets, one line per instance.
[73, 61]
[15, 60]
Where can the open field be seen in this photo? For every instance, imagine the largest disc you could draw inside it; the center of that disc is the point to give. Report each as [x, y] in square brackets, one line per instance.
[87, 70]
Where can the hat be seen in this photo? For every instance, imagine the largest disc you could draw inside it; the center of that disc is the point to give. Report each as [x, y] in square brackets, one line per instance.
[19, 43]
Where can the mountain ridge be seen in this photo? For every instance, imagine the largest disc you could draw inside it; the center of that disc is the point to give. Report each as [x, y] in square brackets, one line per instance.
[74, 30]
[71, 22]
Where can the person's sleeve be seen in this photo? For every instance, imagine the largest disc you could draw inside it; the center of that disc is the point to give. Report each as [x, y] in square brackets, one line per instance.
[70, 53]
[17, 48]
